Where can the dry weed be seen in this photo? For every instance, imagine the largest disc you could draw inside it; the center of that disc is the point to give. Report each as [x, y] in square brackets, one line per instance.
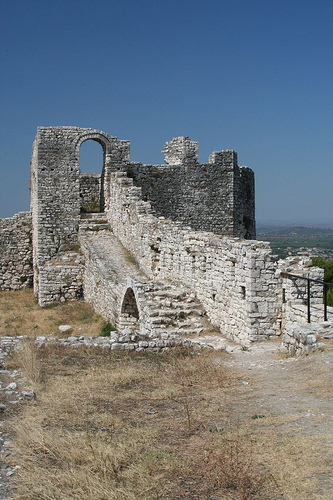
[27, 358]
[231, 466]
[110, 425]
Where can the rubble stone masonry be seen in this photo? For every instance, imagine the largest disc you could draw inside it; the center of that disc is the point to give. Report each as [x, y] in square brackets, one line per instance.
[164, 234]
[16, 252]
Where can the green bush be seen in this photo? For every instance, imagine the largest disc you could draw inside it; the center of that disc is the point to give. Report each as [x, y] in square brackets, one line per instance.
[106, 329]
[327, 265]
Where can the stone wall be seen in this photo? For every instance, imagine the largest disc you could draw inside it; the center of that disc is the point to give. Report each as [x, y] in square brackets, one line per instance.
[16, 270]
[187, 226]
[217, 196]
[62, 279]
[234, 279]
[55, 195]
[294, 290]
[90, 193]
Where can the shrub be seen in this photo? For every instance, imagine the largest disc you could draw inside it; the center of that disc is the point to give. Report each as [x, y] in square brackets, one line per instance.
[106, 329]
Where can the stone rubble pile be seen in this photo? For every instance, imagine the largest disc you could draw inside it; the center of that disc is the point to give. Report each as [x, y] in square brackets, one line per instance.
[306, 338]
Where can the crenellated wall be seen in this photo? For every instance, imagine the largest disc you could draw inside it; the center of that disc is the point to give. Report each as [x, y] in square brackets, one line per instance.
[217, 196]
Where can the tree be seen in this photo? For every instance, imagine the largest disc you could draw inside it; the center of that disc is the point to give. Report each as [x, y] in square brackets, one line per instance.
[327, 265]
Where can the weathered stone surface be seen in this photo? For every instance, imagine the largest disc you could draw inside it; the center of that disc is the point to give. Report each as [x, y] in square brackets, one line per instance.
[156, 249]
[16, 270]
[65, 328]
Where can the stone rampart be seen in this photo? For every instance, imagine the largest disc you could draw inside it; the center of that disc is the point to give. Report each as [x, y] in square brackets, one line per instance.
[187, 252]
[234, 279]
[16, 270]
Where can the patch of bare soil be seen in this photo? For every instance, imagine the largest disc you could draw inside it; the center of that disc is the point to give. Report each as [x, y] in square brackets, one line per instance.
[290, 398]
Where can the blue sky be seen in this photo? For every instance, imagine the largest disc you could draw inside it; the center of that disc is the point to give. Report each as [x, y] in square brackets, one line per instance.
[251, 75]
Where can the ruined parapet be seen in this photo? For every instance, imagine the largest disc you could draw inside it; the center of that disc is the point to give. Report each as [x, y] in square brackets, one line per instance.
[225, 158]
[181, 151]
[216, 197]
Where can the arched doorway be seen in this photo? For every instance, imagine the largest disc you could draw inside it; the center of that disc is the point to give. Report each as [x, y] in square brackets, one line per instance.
[129, 318]
[129, 305]
[92, 168]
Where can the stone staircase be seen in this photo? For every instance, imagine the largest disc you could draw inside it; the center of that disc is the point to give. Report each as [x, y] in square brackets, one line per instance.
[165, 308]
[172, 309]
[93, 222]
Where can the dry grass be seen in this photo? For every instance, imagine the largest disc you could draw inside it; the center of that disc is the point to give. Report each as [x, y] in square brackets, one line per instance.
[132, 426]
[116, 425]
[28, 361]
[21, 315]
[109, 425]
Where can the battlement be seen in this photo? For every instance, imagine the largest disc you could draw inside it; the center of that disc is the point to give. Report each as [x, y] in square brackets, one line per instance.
[180, 151]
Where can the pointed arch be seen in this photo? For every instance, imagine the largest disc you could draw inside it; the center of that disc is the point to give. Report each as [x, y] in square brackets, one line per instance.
[129, 305]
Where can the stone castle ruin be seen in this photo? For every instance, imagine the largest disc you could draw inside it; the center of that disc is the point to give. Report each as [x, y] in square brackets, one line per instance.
[156, 249]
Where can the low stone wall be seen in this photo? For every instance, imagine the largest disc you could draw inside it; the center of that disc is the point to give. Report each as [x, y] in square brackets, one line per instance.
[62, 279]
[16, 269]
[304, 339]
[116, 342]
[234, 279]
[299, 339]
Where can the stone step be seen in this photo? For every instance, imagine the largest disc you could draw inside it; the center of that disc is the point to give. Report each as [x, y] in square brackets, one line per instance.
[180, 312]
[93, 215]
[99, 226]
[172, 330]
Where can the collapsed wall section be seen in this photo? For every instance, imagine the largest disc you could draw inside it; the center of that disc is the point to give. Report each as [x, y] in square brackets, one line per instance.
[234, 279]
[16, 270]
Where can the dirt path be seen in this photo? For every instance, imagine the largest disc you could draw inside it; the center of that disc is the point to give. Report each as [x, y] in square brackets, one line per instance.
[279, 386]
[293, 394]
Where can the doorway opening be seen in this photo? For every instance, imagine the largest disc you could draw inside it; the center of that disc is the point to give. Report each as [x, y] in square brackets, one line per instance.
[92, 156]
